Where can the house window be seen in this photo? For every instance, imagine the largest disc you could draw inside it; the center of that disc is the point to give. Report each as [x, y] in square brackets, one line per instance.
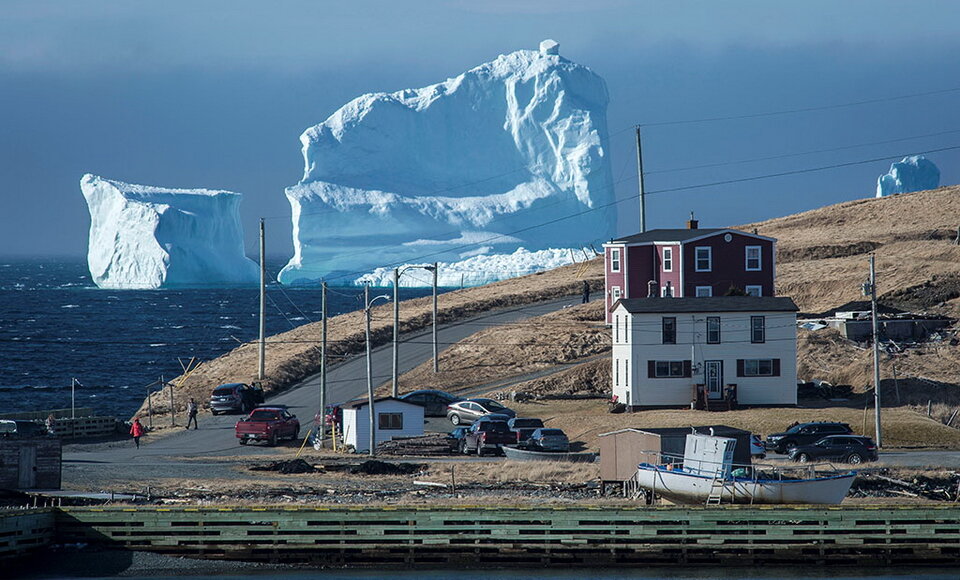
[754, 290]
[753, 258]
[669, 369]
[390, 421]
[614, 260]
[668, 259]
[626, 372]
[667, 291]
[669, 330]
[703, 259]
[616, 328]
[713, 330]
[758, 367]
[758, 329]
[616, 372]
[615, 292]
[626, 335]
[704, 291]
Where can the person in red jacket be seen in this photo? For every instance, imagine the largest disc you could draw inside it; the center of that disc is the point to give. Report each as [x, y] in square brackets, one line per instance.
[136, 430]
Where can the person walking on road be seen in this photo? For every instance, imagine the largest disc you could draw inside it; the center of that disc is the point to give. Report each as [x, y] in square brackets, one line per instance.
[137, 430]
[192, 413]
[586, 292]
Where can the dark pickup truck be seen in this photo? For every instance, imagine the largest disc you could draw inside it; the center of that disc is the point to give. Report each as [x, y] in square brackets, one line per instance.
[487, 435]
[270, 424]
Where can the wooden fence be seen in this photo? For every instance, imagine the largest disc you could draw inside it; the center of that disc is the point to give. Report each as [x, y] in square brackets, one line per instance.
[576, 536]
[23, 532]
[42, 415]
[85, 427]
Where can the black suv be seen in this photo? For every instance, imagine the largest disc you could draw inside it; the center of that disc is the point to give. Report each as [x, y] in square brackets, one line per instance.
[804, 434]
[846, 448]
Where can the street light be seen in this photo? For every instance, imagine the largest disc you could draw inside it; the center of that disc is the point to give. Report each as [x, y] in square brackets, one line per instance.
[366, 315]
[396, 319]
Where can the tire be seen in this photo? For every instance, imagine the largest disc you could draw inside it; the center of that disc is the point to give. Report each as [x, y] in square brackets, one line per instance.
[455, 419]
[273, 440]
[803, 458]
[243, 441]
[479, 449]
[790, 446]
[855, 458]
[463, 447]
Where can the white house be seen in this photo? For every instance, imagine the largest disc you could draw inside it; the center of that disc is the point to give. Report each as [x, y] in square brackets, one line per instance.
[394, 418]
[664, 347]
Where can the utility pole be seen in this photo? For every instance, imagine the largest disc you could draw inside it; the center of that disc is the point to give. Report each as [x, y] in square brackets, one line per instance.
[263, 306]
[396, 330]
[366, 316]
[323, 363]
[436, 364]
[643, 216]
[870, 288]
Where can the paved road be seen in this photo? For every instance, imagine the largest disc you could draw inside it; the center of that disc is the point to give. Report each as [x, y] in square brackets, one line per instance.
[345, 381]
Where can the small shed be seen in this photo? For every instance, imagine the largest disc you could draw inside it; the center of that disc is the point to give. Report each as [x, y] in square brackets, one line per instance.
[621, 451]
[394, 418]
[30, 462]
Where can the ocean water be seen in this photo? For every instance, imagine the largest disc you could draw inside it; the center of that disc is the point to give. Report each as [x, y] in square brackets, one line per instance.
[56, 326]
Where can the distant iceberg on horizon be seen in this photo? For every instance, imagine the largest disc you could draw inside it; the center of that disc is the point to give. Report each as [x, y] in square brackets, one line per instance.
[469, 166]
[914, 173]
[145, 237]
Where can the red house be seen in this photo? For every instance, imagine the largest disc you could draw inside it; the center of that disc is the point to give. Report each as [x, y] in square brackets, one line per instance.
[688, 262]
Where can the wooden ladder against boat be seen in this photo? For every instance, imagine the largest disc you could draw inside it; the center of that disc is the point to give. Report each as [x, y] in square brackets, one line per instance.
[716, 491]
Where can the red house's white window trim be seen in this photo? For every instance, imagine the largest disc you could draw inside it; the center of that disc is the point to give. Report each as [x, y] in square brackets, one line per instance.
[753, 263]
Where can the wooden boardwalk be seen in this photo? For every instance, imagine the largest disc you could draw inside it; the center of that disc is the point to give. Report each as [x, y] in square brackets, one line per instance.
[577, 536]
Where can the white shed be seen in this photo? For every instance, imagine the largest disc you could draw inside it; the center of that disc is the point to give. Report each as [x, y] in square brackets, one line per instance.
[395, 418]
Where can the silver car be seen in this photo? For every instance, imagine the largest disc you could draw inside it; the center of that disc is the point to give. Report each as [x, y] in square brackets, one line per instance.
[466, 412]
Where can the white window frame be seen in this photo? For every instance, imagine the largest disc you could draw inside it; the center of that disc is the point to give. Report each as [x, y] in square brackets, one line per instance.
[758, 333]
[754, 290]
[717, 330]
[709, 258]
[747, 258]
[615, 294]
[708, 289]
[615, 259]
[663, 291]
[668, 259]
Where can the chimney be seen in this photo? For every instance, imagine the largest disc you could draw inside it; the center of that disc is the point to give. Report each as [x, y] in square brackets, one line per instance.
[652, 289]
[692, 224]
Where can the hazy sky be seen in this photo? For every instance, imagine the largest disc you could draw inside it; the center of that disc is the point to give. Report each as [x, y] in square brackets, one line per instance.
[216, 94]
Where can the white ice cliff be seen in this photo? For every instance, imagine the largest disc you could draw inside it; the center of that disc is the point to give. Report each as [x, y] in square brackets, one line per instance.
[153, 237]
[469, 166]
[916, 173]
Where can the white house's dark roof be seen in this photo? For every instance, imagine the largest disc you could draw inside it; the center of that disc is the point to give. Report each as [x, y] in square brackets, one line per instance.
[357, 403]
[678, 235]
[708, 304]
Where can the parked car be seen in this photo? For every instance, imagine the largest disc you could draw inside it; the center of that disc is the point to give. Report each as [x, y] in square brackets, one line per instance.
[21, 428]
[235, 397]
[845, 448]
[270, 424]
[434, 402]
[524, 427]
[455, 438]
[472, 409]
[486, 436]
[757, 448]
[804, 434]
[544, 439]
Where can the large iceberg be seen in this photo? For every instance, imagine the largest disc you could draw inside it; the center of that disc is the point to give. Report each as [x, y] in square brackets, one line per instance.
[473, 165]
[153, 237]
[915, 173]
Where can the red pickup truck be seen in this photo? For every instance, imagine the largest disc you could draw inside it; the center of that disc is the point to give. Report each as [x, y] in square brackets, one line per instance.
[270, 424]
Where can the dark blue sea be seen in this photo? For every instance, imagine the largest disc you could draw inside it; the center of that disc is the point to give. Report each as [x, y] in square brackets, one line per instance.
[56, 326]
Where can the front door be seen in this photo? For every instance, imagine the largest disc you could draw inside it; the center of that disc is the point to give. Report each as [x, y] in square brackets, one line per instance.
[27, 476]
[714, 370]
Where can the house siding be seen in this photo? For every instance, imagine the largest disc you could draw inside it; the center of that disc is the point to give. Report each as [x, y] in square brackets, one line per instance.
[729, 265]
[613, 278]
[356, 423]
[674, 275]
[644, 344]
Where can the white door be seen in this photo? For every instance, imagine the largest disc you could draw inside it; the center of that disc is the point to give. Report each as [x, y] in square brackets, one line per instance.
[27, 476]
[714, 370]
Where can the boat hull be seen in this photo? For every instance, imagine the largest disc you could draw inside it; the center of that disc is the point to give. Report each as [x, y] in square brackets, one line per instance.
[683, 487]
[527, 455]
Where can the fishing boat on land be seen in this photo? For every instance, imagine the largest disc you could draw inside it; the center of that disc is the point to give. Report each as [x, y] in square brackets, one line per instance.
[528, 455]
[706, 475]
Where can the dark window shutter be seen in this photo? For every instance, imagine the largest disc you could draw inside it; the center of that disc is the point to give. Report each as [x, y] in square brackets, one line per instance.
[687, 369]
[651, 369]
[739, 367]
[776, 367]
